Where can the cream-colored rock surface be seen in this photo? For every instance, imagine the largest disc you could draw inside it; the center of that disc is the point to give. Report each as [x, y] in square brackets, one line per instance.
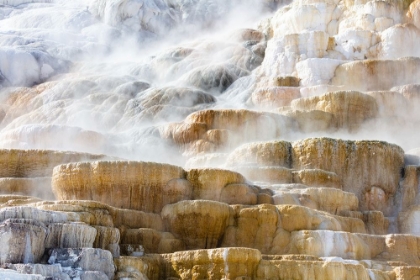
[408, 33]
[323, 243]
[70, 225]
[243, 124]
[152, 241]
[206, 263]
[269, 162]
[209, 183]
[94, 213]
[317, 71]
[374, 182]
[70, 235]
[331, 200]
[32, 213]
[288, 194]
[275, 97]
[295, 218]
[408, 191]
[109, 222]
[227, 119]
[406, 272]
[228, 263]
[239, 194]
[146, 267]
[400, 247]
[347, 30]
[182, 133]
[302, 269]
[349, 109]
[37, 163]
[257, 227]
[268, 228]
[375, 222]
[198, 223]
[221, 263]
[369, 75]
[275, 153]
[38, 187]
[107, 238]
[86, 260]
[85, 211]
[136, 219]
[215, 131]
[188, 90]
[110, 182]
[317, 178]
[414, 13]
[22, 241]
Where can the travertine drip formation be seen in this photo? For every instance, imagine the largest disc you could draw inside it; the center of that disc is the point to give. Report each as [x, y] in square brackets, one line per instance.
[192, 139]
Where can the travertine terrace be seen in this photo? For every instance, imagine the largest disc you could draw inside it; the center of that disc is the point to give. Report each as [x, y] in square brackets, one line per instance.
[219, 139]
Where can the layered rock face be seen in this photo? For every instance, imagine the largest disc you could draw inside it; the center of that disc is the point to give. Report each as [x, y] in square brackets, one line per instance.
[209, 139]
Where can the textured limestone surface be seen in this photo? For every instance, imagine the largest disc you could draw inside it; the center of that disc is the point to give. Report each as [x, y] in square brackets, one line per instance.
[132, 185]
[223, 139]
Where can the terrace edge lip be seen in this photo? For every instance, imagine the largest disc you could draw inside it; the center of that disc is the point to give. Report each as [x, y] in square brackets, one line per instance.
[190, 139]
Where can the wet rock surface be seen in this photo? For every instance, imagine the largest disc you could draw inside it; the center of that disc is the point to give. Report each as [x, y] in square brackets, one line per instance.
[209, 139]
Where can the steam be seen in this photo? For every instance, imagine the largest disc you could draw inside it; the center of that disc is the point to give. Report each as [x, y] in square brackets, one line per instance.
[104, 77]
[109, 76]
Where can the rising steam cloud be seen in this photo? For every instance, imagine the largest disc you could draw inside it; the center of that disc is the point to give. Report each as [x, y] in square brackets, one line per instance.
[290, 128]
[120, 77]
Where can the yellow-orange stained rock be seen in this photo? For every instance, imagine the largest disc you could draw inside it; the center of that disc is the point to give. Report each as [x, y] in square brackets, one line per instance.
[317, 178]
[153, 241]
[324, 243]
[273, 153]
[310, 120]
[37, 186]
[269, 174]
[239, 194]
[349, 108]
[209, 183]
[130, 185]
[369, 169]
[245, 123]
[221, 263]
[295, 218]
[331, 200]
[312, 270]
[257, 227]
[198, 223]
[37, 163]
